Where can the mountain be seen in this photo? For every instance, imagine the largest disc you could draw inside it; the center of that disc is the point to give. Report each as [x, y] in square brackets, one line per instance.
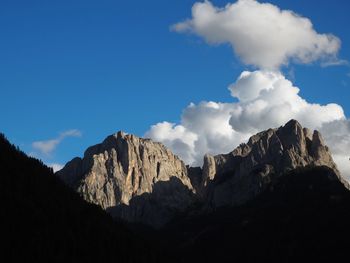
[302, 216]
[43, 220]
[139, 180]
[132, 178]
[234, 178]
[285, 202]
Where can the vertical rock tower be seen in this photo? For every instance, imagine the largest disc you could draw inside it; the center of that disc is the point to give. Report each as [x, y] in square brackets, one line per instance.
[121, 167]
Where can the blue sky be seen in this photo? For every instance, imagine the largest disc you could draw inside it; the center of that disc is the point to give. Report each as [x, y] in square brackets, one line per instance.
[104, 66]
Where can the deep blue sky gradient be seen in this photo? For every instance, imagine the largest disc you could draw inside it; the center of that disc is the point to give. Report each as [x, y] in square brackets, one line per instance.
[103, 66]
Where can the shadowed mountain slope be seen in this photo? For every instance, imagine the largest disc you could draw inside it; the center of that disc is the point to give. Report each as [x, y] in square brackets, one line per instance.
[44, 220]
[120, 172]
[303, 215]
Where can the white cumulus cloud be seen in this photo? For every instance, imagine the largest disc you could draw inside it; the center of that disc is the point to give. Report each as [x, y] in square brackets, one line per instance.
[176, 137]
[266, 99]
[267, 37]
[337, 136]
[261, 34]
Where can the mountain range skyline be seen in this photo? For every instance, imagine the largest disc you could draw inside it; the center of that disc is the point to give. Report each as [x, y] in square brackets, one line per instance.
[139, 180]
[175, 131]
[271, 78]
[299, 214]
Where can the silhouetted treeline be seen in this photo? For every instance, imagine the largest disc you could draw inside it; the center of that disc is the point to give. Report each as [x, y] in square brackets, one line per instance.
[45, 221]
[303, 217]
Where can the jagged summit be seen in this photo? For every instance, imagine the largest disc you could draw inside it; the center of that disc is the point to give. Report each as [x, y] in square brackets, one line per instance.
[140, 180]
[282, 149]
[124, 167]
[234, 178]
[124, 162]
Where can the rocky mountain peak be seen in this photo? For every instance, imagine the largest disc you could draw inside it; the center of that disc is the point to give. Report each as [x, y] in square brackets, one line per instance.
[251, 167]
[140, 180]
[121, 167]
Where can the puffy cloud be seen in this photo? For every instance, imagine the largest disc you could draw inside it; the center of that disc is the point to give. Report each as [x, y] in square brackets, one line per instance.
[337, 136]
[266, 99]
[176, 137]
[204, 129]
[261, 34]
[47, 147]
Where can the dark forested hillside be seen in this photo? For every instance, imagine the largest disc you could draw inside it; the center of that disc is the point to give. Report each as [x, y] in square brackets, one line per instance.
[44, 220]
[304, 215]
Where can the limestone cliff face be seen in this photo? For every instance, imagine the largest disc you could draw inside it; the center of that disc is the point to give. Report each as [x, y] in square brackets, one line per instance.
[234, 178]
[123, 167]
[142, 181]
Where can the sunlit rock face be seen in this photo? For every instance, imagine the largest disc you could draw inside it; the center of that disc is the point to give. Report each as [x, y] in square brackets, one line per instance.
[123, 167]
[139, 180]
[249, 169]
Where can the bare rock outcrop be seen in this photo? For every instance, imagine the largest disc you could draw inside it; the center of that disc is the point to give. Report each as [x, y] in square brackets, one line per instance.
[250, 168]
[124, 167]
[139, 180]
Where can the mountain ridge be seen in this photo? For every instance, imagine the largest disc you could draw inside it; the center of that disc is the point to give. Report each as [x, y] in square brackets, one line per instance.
[139, 180]
[301, 214]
